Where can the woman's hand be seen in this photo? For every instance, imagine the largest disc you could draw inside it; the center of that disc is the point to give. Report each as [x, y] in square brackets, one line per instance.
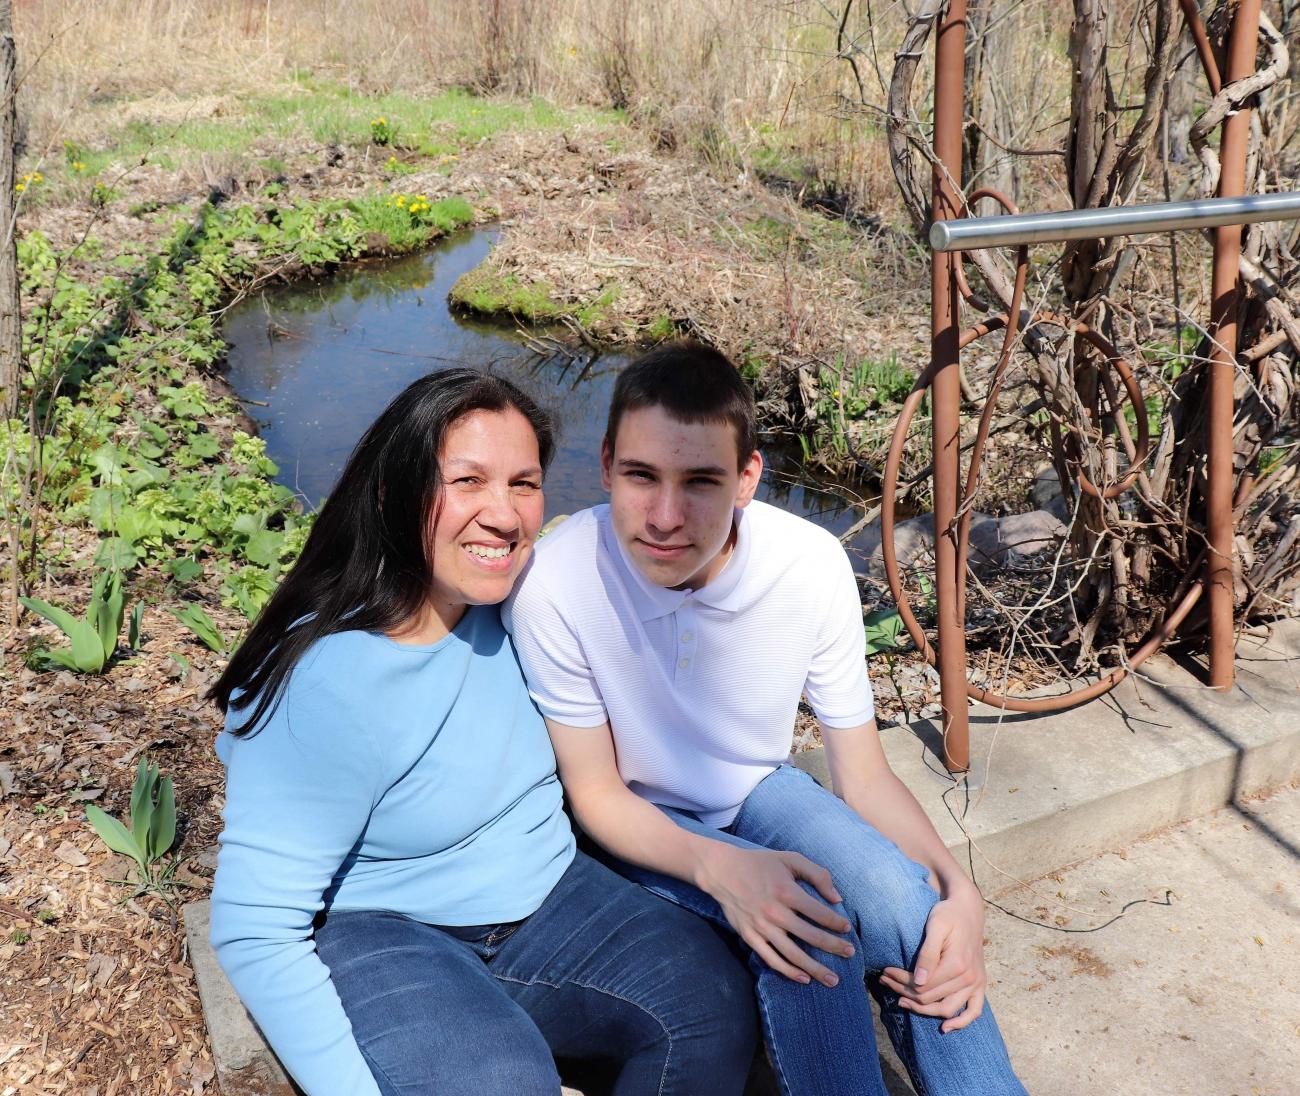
[760, 895]
[949, 978]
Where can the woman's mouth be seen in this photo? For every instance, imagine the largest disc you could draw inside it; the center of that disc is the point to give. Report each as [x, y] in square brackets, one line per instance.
[492, 557]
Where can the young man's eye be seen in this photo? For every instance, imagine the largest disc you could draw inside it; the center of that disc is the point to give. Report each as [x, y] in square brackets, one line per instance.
[639, 474]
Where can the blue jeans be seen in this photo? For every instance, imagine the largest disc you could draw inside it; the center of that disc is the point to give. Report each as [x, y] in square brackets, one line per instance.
[601, 971]
[821, 1040]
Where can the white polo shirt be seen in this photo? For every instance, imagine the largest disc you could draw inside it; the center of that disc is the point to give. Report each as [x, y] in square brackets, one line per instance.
[699, 686]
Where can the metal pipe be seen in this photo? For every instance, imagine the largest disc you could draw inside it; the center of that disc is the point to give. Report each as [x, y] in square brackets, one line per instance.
[1223, 356]
[1203, 47]
[945, 386]
[968, 234]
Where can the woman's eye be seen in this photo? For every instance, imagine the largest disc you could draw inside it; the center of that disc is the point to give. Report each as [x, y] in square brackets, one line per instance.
[527, 485]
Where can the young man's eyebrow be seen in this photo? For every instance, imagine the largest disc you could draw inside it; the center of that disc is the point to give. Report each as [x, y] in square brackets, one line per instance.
[640, 465]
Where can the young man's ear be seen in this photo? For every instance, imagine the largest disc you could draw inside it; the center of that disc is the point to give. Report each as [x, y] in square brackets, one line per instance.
[749, 477]
[606, 465]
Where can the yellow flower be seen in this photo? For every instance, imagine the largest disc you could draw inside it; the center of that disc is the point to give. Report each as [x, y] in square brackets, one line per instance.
[20, 187]
[78, 166]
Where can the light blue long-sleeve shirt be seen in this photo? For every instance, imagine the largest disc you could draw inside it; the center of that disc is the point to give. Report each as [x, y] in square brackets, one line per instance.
[417, 779]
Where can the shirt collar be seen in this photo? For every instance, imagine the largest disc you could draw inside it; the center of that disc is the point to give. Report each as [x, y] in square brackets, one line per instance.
[652, 601]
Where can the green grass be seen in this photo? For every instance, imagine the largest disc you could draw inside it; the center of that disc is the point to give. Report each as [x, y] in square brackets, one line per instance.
[448, 122]
[443, 125]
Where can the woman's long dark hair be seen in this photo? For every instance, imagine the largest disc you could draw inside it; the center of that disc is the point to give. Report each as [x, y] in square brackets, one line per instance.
[365, 564]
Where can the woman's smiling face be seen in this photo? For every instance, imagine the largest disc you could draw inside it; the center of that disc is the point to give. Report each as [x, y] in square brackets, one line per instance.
[488, 512]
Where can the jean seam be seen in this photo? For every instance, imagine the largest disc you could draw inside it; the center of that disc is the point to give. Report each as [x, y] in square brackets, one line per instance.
[663, 1077]
[773, 1056]
[376, 1068]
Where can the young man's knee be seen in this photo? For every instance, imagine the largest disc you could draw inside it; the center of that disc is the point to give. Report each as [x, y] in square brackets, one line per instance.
[889, 911]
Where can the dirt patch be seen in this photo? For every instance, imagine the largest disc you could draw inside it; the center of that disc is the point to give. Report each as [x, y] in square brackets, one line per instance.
[1085, 960]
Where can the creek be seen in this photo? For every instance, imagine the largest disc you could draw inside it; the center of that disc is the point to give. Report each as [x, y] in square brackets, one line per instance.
[315, 363]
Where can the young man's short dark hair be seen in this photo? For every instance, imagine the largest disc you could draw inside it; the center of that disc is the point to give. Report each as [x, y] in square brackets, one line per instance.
[692, 382]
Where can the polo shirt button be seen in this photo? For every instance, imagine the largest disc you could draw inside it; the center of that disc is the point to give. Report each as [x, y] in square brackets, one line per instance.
[683, 662]
[687, 637]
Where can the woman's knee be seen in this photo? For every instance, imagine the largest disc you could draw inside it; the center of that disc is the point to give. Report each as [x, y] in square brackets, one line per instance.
[509, 1057]
[713, 1016]
[520, 1069]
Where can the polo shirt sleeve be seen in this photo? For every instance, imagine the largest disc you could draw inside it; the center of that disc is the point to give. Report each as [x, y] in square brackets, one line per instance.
[560, 679]
[837, 686]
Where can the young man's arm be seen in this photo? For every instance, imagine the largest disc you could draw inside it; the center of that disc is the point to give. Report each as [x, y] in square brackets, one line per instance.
[949, 975]
[757, 889]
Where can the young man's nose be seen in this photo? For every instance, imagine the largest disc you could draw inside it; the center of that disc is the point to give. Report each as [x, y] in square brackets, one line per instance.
[666, 511]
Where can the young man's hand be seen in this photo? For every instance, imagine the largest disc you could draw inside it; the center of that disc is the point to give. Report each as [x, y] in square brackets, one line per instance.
[760, 895]
[949, 978]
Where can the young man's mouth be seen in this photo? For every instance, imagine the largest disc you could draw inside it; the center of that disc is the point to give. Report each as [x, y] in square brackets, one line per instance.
[663, 551]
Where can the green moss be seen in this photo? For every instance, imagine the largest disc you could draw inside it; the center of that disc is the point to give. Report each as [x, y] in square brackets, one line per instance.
[493, 293]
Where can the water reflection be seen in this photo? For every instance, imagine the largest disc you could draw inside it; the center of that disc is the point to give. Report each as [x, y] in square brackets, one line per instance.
[318, 362]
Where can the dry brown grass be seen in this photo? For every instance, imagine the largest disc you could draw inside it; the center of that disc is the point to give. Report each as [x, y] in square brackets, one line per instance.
[735, 81]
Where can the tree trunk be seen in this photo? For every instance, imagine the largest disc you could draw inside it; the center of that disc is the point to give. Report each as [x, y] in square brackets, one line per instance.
[10, 316]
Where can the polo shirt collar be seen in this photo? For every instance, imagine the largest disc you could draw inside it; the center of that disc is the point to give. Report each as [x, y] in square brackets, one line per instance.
[651, 601]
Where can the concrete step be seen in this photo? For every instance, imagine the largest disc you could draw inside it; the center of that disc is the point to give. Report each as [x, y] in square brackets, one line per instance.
[1044, 793]
[1048, 791]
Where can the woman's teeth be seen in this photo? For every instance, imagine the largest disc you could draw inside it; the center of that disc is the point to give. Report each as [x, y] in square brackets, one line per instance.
[488, 553]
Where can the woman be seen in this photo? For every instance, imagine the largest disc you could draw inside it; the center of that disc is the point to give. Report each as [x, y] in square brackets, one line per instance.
[398, 899]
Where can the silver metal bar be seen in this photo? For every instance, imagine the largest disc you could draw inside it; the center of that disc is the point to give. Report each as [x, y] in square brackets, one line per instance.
[969, 233]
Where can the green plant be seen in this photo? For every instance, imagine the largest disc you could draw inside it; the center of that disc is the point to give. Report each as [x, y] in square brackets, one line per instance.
[660, 328]
[101, 194]
[883, 628]
[381, 131]
[196, 619]
[394, 166]
[153, 827]
[94, 639]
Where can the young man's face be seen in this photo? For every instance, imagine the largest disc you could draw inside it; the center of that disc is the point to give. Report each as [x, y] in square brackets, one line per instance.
[673, 489]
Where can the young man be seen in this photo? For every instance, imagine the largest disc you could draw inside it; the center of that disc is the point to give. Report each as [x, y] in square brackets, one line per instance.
[667, 638]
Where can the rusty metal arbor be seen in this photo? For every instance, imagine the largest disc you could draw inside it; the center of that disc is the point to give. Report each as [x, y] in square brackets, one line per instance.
[952, 232]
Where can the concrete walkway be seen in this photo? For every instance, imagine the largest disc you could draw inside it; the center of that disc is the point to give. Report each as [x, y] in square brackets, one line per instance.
[1197, 994]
